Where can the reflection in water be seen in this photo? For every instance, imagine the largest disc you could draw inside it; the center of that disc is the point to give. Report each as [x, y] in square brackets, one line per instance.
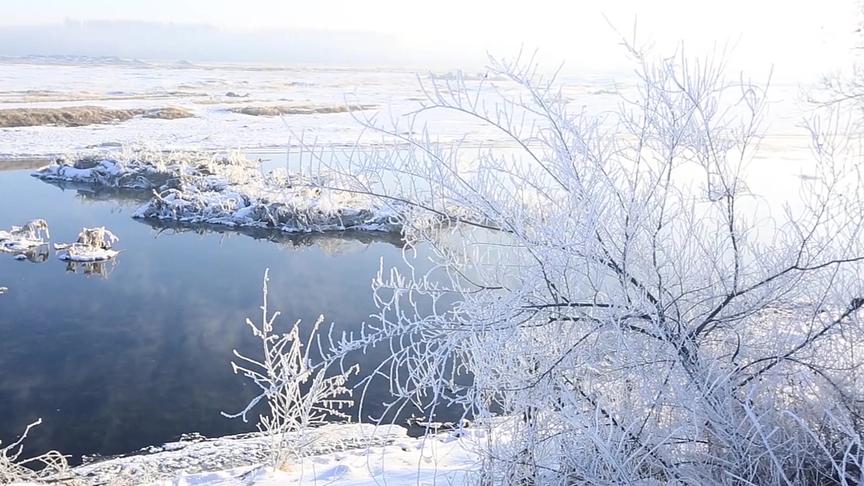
[92, 269]
[331, 242]
[88, 193]
[37, 254]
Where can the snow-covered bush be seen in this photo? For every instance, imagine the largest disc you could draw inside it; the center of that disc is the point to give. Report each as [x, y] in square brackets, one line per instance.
[92, 245]
[49, 467]
[626, 310]
[298, 393]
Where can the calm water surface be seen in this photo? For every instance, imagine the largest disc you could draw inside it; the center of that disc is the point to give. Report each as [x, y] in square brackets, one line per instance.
[137, 353]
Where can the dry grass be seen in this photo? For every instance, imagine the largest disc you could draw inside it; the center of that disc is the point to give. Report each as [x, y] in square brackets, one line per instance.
[169, 113]
[298, 109]
[81, 115]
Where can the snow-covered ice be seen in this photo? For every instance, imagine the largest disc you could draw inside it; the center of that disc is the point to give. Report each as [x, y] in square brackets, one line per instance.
[308, 100]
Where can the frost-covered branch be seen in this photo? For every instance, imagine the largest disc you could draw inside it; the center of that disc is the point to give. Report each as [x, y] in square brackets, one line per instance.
[48, 467]
[297, 393]
[605, 294]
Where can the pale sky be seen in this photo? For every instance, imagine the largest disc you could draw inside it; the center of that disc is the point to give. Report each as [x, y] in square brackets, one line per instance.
[794, 36]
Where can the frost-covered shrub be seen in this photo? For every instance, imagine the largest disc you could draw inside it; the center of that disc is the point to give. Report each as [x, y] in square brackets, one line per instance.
[97, 238]
[626, 313]
[297, 393]
[50, 467]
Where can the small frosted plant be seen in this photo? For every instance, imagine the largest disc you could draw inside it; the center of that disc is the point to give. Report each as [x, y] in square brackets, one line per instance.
[19, 239]
[298, 394]
[13, 468]
[97, 238]
[92, 245]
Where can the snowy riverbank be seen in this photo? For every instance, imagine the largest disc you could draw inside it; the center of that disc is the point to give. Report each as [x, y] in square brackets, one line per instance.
[231, 191]
[353, 454]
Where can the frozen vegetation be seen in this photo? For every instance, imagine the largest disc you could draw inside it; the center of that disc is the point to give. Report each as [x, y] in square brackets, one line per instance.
[612, 309]
[147, 170]
[93, 245]
[20, 240]
[278, 110]
[76, 116]
[16, 469]
[30, 242]
[204, 189]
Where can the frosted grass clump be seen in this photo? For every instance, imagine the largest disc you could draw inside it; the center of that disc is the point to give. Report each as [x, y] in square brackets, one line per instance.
[21, 239]
[291, 203]
[147, 169]
[200, 188]
[93, 245]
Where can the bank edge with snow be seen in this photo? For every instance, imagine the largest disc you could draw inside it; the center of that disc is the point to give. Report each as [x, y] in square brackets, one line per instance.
[199, 188]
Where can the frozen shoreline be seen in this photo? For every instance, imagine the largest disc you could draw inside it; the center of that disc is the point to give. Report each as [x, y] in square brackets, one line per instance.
[346, 454]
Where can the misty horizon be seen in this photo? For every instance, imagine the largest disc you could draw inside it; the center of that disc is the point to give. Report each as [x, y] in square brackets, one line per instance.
[199, 42]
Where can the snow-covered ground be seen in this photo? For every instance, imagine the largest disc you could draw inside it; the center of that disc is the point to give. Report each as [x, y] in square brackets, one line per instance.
[311, 98]
[343, 455]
